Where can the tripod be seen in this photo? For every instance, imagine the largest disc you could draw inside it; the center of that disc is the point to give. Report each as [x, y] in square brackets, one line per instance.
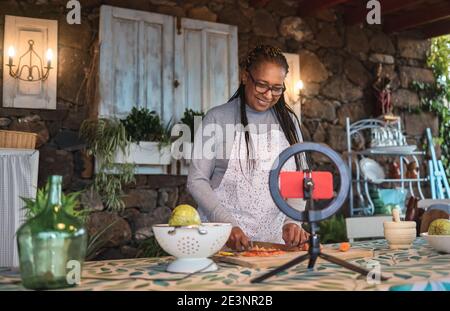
[314, 243]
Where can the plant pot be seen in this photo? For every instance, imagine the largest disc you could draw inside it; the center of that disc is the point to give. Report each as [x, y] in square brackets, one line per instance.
[145, 153]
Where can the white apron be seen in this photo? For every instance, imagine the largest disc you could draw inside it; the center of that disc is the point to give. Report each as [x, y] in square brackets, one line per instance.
[246, 195]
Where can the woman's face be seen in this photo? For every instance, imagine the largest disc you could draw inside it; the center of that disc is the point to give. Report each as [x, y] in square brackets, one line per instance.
[266, 74]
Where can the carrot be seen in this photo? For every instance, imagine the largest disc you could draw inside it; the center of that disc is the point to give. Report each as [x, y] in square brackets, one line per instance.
[344, 246]
[305, 247]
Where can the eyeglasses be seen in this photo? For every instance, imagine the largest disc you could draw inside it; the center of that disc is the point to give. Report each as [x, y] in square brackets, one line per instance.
[262, 87]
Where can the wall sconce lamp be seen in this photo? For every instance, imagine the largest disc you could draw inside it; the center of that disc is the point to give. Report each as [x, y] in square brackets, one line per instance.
[34, 69]
[299, 87]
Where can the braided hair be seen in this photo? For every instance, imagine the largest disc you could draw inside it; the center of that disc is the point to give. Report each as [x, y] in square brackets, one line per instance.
[283, 113]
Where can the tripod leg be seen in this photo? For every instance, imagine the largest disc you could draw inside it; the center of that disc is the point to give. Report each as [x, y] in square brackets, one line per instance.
[312, 262]
[287, 265]
[348, 265]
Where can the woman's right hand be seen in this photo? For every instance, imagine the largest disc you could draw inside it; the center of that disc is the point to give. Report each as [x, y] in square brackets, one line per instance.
[237, 240]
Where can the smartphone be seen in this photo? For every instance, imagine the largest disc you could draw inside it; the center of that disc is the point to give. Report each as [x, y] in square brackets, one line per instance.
[291, 185]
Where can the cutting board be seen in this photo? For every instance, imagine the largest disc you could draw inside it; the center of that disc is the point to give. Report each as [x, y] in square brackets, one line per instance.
[275, 261]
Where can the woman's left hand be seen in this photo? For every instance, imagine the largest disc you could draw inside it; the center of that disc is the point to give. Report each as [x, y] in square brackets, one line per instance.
[293, 235]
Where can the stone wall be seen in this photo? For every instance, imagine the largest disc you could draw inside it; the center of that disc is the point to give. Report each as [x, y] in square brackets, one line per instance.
[149, 201]
[337, 66]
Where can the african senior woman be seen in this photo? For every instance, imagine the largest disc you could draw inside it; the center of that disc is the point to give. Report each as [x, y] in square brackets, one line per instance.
[235, 148]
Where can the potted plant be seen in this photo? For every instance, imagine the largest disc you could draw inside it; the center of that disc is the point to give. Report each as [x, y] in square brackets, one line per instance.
[189, 118]
[104, 138]
[70, 203]
[150, 139]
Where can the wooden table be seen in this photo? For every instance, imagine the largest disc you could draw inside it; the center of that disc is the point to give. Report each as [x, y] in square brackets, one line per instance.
[418, 268]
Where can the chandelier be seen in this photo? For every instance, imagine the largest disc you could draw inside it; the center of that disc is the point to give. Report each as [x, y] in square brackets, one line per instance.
[30, 67]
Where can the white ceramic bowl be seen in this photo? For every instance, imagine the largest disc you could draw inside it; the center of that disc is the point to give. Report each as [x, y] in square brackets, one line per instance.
[401, 234]
[441, 243]
[192, 245]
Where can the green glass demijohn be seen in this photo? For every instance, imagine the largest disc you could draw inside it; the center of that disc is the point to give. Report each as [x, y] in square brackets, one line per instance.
[52, 245]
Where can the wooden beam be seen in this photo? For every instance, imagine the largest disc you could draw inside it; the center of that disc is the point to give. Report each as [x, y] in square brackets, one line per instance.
[358, 14]
[437, 29]
[418, 17]
[307, 7]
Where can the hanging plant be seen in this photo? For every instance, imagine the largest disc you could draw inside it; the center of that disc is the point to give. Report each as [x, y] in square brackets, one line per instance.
[104, 137]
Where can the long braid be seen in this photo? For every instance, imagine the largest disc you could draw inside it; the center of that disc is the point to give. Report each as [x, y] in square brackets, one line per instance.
[283, 113]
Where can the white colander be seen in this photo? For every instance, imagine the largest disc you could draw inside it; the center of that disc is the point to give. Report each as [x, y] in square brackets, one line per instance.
[192, 245]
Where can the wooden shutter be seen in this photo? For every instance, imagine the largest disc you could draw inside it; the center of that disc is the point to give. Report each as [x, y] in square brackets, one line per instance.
[165, 64]
[206, 64]
[136, 62]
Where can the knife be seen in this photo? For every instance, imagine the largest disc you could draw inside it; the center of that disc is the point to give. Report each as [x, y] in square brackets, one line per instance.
[278, 246]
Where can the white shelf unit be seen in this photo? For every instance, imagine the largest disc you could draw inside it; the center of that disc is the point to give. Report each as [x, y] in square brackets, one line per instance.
[357, 128]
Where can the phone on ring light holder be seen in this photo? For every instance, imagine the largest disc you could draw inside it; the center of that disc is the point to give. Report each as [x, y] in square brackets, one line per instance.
[291, 184]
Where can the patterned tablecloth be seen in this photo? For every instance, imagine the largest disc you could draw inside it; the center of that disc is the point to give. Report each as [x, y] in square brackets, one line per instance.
[419, 268]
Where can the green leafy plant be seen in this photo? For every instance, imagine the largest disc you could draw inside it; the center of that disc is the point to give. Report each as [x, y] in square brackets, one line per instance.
[167, 138]
[436, 97]
[70, 203]
[150, 248]
[439, 58]
[332, 230]
[188, 119]
[104, 137]
[97, 242]
[145, 125]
